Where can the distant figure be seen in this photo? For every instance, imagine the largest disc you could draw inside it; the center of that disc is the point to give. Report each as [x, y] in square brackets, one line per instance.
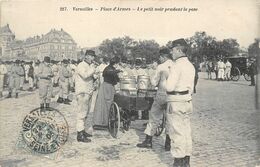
[64, 76]
[45, 75]
[30, 76]
[252, 72]
[209, 67]
[228, 66]
[17, 73]
[3, 72]
[221, 70]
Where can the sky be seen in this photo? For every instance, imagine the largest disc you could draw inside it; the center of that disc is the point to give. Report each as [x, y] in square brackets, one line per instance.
[222, 19]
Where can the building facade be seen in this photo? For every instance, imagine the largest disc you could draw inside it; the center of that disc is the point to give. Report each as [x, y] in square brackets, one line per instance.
[57, 44]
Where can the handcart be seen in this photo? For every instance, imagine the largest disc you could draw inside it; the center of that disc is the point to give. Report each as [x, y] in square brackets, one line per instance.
[126, 106]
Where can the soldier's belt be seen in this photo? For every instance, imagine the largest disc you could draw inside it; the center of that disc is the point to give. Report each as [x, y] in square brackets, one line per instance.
[178, 93]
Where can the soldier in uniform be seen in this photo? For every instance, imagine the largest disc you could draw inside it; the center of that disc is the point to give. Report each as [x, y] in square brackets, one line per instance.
[65, 74]
[3, 72]
[16, 73]
[159, 104]
[55, 70]
[45, 75]
[179, 87]
[84, 87]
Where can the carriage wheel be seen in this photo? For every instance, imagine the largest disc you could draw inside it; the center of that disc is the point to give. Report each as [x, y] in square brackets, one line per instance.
[247, 77]
[161, 127]
[236, 74]
[114, 120]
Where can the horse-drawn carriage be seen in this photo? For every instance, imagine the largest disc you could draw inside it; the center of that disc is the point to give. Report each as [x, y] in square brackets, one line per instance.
[239, 67]
[132, 98]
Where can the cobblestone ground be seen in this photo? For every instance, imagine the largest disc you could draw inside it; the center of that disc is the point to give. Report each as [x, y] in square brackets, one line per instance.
[224, 126]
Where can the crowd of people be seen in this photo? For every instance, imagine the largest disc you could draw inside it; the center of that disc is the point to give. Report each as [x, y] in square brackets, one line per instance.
[94, 84]
[222, 69]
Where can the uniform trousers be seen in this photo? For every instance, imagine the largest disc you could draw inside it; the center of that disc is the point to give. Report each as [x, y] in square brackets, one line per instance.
[156, 114]
[31, 82]
[64, 89]
[221, 74]
[55, 77]
[83, 109]
[227, 73]
[14, 84]
[1, 83]
[45, 90]
[178, 119]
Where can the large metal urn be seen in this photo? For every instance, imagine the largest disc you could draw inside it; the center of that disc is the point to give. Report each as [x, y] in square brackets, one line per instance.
[143, 82]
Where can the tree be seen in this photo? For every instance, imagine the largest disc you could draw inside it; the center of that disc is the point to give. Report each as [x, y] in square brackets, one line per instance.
[253, 49]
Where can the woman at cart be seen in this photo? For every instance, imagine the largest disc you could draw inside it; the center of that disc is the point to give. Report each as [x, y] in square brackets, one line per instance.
[106, 95]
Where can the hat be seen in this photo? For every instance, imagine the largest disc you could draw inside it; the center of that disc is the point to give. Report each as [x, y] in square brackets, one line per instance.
[17, 61]
[114, 60]
[179, 42]
[47, 59]
[65, 61]
[164, 51]
[90, 52]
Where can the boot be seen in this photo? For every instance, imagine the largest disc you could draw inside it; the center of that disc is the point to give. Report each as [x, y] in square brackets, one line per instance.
[178, 162]
[82, 138]
[86, 134]
[42, 107]
[167, 145]
[9, 95]
[60, 100]
[186, 161]
[16, 95]
[48, 107]
[66, 101]
[147, 143]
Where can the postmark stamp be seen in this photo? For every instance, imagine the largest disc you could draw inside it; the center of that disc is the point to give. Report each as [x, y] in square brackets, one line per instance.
[45, 131]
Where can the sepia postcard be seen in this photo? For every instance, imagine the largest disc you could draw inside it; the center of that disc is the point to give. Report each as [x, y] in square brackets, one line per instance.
[129, 83]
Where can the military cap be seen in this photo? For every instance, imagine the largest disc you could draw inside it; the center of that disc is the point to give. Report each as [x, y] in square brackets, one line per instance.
[47, 59]
[90, 52]
[65, 61]
[179, 42]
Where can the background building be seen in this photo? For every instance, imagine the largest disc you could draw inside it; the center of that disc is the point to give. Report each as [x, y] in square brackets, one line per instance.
[57, 44]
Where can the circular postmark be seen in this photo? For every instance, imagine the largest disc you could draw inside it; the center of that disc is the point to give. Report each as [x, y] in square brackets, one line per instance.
[45, 131]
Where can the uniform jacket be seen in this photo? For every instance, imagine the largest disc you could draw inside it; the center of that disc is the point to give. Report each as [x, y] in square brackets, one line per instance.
[181, 78]
[45, 71]
[65, 73]
[84, 80]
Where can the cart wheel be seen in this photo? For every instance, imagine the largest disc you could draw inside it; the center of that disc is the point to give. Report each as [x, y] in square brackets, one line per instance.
[236, 74]
[247, 77]
[114, 120]
[161, 127]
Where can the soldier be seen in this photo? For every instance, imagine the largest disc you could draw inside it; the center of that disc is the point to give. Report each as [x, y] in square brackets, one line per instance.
[84, 87]
[179, 87]
[17, 73]
[22, 77]
[228, 70]
[159, 104]
[45, 75]
[55, 70]
[31, 76]
[64, 75]
[72, 79]
[3, 72]
[221, 70]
